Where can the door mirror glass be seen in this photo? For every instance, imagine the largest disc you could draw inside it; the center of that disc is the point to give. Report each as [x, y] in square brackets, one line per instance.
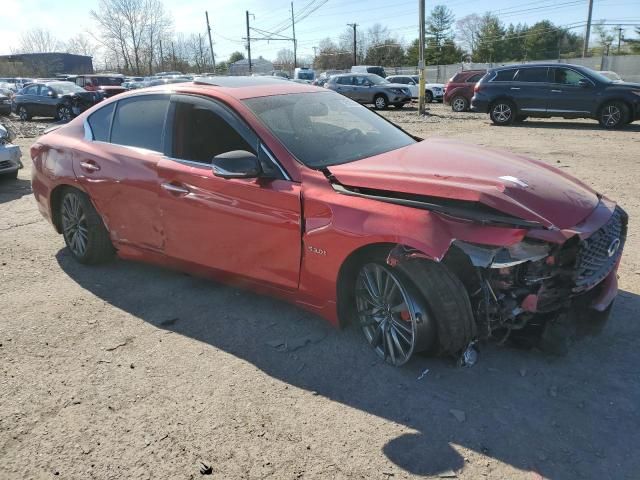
[584, 83]
[236, 164]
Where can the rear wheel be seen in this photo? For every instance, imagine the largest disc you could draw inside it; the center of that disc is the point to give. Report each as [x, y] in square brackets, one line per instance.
[503, 112]
[459, 104]
[24, 114]
[613, 115]
[380, 102]
[83, 230]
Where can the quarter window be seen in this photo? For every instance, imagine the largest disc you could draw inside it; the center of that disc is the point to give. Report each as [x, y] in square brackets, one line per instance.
[505, 75]
[139, 122]
[100, 122]
[534, 75]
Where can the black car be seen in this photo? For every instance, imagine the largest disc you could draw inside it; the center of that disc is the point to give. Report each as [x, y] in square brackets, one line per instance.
[5, 101]
[60, 100]
[511, 94]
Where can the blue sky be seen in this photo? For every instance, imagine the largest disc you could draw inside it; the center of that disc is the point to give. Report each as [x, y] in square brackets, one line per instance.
[69, 17]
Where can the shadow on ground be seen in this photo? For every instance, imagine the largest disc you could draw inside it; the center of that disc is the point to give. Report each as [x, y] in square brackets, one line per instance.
[572, 417]
[13, 188]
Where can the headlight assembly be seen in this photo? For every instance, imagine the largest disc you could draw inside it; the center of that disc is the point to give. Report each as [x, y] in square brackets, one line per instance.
[502, 257]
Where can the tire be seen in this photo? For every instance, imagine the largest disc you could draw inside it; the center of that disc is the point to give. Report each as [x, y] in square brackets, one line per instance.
[613, 115]
[459, 104]
[380, 102]
[448, 302]
[392, 313]
[502, 112]
[399, 105]
[428, 96]
[23, 113]
[83, 230]
[64, 113]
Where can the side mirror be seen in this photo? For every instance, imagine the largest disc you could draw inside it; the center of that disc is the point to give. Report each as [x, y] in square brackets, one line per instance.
[236, 164]
[584, 83]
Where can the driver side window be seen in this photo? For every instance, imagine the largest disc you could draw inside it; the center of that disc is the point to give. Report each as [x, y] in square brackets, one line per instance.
[199, 134]
[566, 76]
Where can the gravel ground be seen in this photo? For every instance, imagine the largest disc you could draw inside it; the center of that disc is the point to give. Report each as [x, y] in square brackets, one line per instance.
[130, 371]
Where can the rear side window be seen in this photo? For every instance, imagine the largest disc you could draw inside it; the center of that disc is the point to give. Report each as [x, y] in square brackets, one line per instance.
[100, 123]
[475, 78]
[344, 80]
[139, 122]
[505, 75]
[535, 75]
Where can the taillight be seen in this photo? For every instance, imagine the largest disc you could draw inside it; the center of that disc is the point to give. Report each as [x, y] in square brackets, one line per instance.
[476, 88]
[446, 87]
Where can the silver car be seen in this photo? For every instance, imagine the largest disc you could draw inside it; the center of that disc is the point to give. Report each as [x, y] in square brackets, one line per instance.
[370, 89]
[9, 155]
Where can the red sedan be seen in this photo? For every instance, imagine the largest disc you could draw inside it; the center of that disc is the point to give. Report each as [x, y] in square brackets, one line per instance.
[299, 192]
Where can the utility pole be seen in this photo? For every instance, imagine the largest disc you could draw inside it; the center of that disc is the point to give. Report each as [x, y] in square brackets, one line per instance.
[355, 46]
[619, 38]
[421, 88]
[213, 59]
[588, 34]
[248, 44]
[315, 54]
[295, 43]
[173, 49]
[161, 57]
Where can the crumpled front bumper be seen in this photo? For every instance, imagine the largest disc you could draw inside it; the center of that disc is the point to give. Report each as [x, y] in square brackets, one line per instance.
[10, 158]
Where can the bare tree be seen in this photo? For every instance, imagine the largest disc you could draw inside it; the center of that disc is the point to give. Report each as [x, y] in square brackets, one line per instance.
[468, 30]
[38, 40]
[199, 54]
[130, 29]
[284, 58]
[81, 44]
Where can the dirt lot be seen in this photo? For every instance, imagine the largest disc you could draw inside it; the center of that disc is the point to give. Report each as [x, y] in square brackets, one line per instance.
[130, 371]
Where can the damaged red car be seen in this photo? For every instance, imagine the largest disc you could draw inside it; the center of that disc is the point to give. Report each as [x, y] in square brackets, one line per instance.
[301, 193]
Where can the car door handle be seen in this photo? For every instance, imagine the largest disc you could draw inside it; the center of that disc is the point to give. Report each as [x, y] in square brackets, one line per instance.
[90, 166]
[175, 189]
[515, 88]
[556, 91]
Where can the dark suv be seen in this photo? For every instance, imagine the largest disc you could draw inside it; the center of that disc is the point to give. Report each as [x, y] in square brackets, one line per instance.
[511, 94]
[459, 89]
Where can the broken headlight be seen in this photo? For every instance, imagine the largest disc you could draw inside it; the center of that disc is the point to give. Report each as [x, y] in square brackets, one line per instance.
[503, 257]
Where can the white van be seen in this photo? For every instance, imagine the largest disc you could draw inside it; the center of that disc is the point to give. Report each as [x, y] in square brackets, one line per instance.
[304, 73]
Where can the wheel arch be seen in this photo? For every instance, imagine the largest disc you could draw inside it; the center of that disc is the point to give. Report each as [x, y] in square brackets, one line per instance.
[616, 98]
[504, 97]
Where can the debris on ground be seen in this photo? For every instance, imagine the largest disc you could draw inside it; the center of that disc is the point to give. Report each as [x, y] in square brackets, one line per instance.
[423, 374]
[470, 356]
[296, 343]
[448, 474]
[205, 469]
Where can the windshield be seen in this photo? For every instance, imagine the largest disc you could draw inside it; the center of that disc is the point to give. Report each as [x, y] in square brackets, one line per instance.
[611, 76]
[376, 79]
[64, 88]
[323, 129]
[597, 75]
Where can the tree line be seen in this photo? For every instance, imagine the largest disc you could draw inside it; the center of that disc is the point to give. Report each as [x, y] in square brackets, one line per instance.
[136, 37]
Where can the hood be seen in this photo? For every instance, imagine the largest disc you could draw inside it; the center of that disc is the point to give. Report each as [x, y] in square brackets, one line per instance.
[625, 85]
[393, 85]
[442, 169]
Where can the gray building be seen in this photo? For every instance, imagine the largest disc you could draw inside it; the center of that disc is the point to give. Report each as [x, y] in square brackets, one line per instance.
[44, 64]
[258, 65]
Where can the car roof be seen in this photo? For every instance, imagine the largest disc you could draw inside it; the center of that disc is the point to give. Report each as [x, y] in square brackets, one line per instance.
[237, 87]
[533, 65]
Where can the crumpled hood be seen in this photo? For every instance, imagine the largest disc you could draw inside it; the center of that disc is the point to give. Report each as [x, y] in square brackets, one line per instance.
[513, 184]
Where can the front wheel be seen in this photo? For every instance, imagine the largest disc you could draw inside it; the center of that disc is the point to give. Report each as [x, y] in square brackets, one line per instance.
[83, 230]
[64, 113]
[503, 112]
[613, 115]
[380, 102]
[392, 314]
[428, 96]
